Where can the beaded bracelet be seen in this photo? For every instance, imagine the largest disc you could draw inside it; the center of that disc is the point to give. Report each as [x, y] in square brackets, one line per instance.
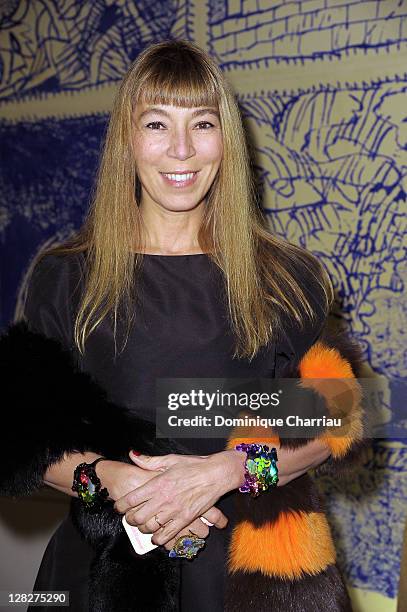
[261, 470]
[88, 486]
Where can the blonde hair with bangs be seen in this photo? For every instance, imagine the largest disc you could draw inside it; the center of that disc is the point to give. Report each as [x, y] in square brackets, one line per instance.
[260, 270]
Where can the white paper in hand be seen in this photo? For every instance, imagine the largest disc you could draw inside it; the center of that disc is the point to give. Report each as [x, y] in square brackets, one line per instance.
[141, 542]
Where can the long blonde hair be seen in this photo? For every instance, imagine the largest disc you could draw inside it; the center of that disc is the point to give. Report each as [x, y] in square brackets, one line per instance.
[260, 270]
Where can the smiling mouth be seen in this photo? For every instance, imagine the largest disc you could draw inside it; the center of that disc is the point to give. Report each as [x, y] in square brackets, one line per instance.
[179, 179]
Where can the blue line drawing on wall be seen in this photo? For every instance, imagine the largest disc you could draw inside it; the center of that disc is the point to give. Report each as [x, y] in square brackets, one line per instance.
[367, 514]
[332, 166]
[242, 34]
[66, 45]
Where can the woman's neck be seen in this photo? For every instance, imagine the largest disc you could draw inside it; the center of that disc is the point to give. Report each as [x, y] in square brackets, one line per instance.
[169, 232]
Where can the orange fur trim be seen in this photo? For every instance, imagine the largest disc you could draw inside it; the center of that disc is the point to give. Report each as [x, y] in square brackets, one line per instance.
[322, 361]
[297, 543]
[343, 396]
[249, 435]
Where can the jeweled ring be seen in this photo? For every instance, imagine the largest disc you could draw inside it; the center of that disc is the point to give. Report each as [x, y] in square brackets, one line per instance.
[187, 546]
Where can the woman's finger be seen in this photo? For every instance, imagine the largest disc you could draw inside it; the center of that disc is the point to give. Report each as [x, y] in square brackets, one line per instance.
[170, 545]
[166, 533]
[131, 518]
[158, 521]
[216, 517]
[154, 462]
[136, 497]
[196, 527]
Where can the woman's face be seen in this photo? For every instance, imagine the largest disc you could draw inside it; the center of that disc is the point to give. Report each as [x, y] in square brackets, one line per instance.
[177, 153]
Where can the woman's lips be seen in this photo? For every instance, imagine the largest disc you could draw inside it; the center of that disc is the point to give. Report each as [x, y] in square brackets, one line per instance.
[179, 180]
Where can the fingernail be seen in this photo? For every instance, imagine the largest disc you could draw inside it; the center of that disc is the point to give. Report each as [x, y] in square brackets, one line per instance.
[137, 453]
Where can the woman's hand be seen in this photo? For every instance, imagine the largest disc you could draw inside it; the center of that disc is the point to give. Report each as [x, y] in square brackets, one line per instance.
[191, 484]
[120, 478]
[291, 463]
[197, 527]
[187, 489]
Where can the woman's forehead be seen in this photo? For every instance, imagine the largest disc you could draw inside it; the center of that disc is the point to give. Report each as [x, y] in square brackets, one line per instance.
[143, 108]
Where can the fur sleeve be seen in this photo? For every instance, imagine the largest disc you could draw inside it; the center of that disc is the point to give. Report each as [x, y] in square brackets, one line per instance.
[330, 368]
[51, 408]
[327, 386]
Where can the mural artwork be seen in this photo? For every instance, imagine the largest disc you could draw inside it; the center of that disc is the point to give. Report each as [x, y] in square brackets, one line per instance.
[322, 88]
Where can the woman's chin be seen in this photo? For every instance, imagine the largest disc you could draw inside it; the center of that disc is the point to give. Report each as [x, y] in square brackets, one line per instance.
[180, 205]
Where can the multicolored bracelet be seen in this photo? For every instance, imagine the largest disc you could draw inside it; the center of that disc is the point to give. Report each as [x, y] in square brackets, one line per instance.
[88, 486]
[261, 468]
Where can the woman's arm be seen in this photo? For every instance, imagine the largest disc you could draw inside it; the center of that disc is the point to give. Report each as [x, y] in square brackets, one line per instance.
[59, 476]
[58, 417]
[292, 463]
[119, 478]
[190, 484]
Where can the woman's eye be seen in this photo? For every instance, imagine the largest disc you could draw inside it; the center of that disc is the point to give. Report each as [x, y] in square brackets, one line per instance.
[154, 125]
[158, 125]
[205, 125]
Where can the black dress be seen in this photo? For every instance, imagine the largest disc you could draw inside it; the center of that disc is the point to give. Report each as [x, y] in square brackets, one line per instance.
[181, 330]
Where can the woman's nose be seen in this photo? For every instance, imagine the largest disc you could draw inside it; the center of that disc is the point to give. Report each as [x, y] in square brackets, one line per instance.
[181, 145]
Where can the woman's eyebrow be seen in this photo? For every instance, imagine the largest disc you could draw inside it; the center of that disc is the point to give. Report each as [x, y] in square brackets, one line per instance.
[196, 113]
[204, 111]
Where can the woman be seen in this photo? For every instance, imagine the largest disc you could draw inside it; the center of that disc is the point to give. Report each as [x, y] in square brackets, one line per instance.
[173, 274]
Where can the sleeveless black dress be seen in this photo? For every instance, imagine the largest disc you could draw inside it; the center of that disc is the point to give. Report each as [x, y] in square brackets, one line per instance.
[181, 329]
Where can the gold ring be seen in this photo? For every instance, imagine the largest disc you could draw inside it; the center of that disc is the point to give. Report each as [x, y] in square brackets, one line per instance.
[157, 521]
[162, 524]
